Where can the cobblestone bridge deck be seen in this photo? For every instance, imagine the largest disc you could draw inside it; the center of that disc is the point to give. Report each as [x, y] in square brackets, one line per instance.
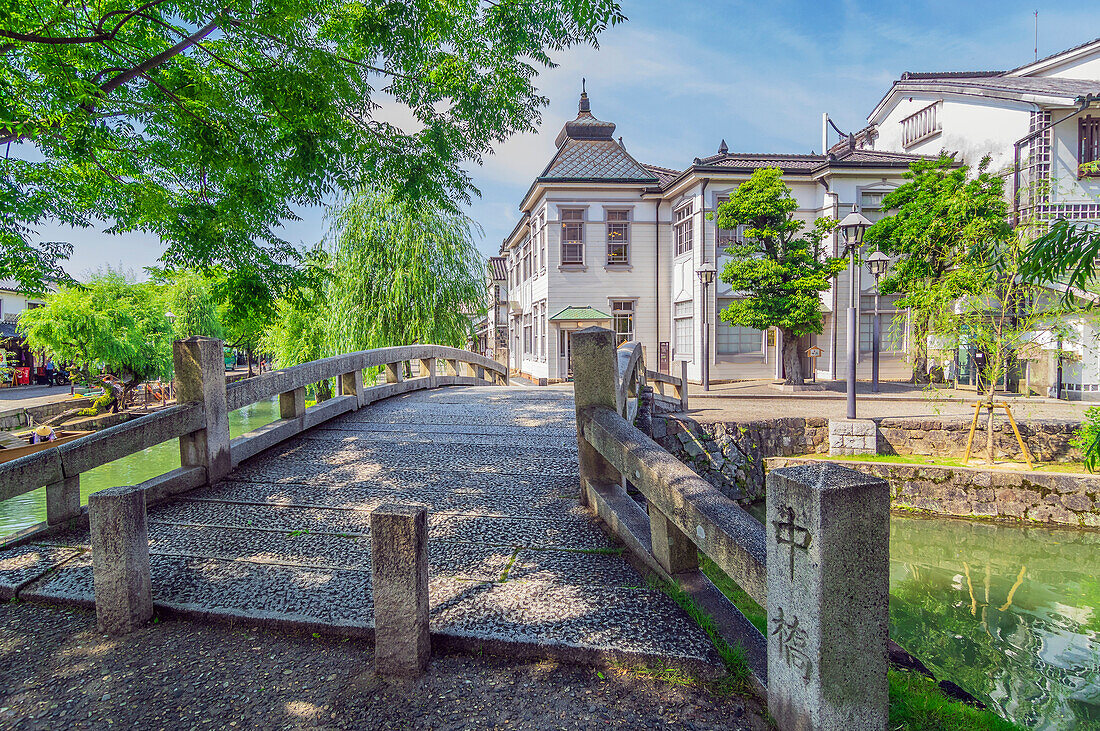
[516, 565]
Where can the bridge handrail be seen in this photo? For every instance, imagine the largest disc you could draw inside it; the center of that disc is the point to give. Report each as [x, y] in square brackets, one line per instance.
[678, 399]
[249, 391]
[683, 514]
[820, 568]
[700, 513]
[200, 420]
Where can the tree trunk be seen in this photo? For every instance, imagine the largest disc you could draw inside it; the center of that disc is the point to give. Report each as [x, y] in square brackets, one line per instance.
[989, 433]
[920, 352]
[248, 353]
[792, 359]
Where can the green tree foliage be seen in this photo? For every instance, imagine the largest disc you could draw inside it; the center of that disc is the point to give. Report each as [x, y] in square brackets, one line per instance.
[403, 273]
[938, 217]
[779, 270]
[109, 322]
[207, 123]
[190, 298]
[1067, 253]
[393, 273]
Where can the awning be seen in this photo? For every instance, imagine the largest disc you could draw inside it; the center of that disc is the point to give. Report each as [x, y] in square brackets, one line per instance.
[580, 314]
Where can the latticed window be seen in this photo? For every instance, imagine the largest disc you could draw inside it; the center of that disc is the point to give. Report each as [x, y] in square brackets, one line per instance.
[622, 315]
[527, 260]
[684, 329]
[1088, 157]
[572, 236]
[684, 233]
[618, 237]
[527, 334]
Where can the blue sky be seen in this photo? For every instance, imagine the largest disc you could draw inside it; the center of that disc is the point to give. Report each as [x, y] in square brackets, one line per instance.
[680, 76]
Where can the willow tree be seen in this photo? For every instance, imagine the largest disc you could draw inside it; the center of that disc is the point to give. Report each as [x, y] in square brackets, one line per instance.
[392, 272]
[207, 123]
[402, 272]
[110, 325]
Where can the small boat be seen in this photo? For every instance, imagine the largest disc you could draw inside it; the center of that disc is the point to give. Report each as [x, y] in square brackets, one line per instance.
[24, 447]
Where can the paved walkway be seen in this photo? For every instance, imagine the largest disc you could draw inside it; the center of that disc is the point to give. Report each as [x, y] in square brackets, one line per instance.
[24, 397]
[750, 400]
[515, 562]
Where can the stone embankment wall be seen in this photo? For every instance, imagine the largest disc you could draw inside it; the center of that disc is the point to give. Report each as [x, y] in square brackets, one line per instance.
[731, 455]
[1063, 498]
[1046, 439]
[17, 418]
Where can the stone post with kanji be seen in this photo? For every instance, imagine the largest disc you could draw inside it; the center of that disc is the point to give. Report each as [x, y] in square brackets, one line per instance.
[828, 562]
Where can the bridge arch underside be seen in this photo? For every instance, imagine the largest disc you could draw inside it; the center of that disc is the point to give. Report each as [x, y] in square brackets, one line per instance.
[516, 564]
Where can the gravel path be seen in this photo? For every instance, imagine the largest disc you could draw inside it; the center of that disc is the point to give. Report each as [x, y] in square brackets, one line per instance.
[57, 672]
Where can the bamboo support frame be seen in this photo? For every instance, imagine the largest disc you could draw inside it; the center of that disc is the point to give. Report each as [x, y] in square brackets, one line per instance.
[1016, 430]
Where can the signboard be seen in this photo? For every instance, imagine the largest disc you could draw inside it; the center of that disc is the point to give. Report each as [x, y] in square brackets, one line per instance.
[813, 353]
[662, 356]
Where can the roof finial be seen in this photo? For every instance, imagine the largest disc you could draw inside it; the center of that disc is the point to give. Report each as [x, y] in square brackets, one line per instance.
[584, 107]
[723, 148]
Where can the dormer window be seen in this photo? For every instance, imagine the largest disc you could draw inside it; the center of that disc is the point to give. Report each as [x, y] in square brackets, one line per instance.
[1088, 148]
[921, 125]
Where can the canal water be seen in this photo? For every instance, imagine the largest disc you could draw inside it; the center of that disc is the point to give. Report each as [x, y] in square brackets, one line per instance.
[28, 509]
[1010, 613]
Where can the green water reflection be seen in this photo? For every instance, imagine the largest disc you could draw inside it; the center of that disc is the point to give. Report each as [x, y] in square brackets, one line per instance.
[30, 508]
[1009, 613]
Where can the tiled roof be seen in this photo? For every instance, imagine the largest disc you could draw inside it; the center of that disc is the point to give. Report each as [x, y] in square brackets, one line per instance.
[948, 74]
[747, 162]
[595, 160]
[663, 175]
[1055, 55]
[7, 330]
[498, 268]
[580, 313]
[1010, 85]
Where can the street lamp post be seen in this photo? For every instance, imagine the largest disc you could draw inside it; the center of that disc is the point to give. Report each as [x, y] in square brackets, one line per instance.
[853, 226]
[878, 263]
[706, 272]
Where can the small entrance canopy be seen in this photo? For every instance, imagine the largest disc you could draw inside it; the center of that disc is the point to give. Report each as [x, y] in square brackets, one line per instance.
[580, 316]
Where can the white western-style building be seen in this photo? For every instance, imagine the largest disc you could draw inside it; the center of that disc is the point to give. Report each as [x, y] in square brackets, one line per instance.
[607, 240]
[1040, 126]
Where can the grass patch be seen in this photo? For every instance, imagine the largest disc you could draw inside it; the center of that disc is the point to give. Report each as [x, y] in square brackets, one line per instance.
[976, 461]
[738, 597]
[296, 533]
[508, 566]
[738, 674]
[591, 551]
[917, 704]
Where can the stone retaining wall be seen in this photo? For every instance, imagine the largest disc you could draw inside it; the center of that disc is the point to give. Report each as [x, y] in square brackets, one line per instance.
[731, 455]
[17, 418]
[1046, 439]
[1063, 498]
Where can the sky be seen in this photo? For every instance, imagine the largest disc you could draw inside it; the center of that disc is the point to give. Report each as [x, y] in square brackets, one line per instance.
[680, 76]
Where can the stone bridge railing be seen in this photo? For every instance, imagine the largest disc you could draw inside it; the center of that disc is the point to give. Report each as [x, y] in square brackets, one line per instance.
[819, 564]
[200, 420]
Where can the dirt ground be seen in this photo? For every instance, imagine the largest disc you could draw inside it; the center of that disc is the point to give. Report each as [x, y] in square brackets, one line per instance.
[57, 672]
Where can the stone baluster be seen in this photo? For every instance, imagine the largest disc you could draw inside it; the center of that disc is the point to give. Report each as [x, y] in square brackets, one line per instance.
[200, 378]
[120, 559]
[399, 580]
[828, 572]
